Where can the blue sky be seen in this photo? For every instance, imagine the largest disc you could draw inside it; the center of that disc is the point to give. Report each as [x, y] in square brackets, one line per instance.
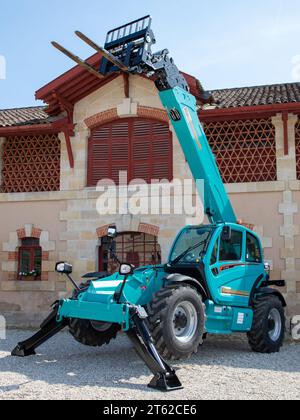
[224, 43]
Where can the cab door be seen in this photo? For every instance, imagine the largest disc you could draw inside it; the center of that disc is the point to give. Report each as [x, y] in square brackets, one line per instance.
[254, 261]
[228, 270]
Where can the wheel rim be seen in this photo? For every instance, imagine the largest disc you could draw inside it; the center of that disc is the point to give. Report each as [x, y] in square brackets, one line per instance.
[274, 324]
[185, 321]
[100, 326]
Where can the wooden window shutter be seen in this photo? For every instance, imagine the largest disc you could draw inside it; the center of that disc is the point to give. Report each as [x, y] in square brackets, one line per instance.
[139, 146]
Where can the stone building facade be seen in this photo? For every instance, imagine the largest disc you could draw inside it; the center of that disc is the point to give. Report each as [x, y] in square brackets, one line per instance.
[49, 158]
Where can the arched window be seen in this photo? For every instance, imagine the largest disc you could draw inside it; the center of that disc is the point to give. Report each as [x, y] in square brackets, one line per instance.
[30, 260]
[135, 248]
[142, 147]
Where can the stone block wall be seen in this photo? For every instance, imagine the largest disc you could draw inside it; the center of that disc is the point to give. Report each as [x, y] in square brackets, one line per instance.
[70, 224]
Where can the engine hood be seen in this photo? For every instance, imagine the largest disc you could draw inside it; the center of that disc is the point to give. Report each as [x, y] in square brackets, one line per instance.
[138, 288]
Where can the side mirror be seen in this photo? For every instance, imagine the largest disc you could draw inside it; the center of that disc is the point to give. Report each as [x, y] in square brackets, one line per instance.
[267, 268]
[226, 233]
[126, 269]
[63, 268]
[112, 232]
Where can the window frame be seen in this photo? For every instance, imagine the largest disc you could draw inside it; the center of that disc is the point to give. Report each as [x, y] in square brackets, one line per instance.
[258, 246]
[242, 248]
[216, 245]
[32, 249]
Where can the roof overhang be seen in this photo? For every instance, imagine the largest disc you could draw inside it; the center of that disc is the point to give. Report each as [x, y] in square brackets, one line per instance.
[71, 87]
[28, 130]
[260, 111]
[77, 83]
[59, 126]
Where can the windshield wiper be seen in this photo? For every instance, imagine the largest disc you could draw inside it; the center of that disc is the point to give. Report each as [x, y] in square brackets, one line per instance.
[191, 248]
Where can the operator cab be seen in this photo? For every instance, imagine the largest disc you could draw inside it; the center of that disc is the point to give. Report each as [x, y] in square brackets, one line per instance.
[191, 245]
[224, 242]
[226, 259]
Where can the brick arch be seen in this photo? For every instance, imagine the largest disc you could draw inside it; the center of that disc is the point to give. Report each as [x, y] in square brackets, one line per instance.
[101, 118]
[153, 113]
[142, 228]
[112, 114]
[11, 248]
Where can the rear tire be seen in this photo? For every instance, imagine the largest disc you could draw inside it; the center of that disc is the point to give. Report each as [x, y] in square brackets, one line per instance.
[177, 321]
[268, 329]
[91, 333]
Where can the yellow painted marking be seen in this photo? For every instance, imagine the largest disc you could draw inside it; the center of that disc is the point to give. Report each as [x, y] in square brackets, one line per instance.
[228, 291]
[192, 127]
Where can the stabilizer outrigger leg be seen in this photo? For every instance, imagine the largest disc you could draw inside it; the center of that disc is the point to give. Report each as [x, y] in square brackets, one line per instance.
[48, 329]
[165, 378]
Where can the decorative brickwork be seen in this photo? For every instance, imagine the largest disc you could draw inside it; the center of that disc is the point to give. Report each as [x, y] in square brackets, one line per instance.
[12, 256]
[245, 150]
[31, 164]
[297, 139]
[149, 229]
[21, 233]
[101, 118]
[153, 113]
[45, 277]
[102, 231]
[112, 114]
[45, 256]
[36, 233]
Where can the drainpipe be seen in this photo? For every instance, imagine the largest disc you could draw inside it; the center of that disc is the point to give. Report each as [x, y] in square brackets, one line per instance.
[285, 119]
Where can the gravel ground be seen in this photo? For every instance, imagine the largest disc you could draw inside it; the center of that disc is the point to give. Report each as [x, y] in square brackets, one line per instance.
[223, 369]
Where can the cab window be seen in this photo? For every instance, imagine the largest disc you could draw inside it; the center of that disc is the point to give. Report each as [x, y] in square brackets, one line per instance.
[232, 250]
[214, 255]
[253, 253]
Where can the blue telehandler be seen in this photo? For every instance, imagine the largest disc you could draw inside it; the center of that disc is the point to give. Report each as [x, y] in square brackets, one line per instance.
[215, 280]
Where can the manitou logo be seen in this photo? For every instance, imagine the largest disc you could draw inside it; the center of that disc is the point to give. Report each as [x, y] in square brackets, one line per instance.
[296, 327]
[2, 328]
[2, 67]
[296, 68]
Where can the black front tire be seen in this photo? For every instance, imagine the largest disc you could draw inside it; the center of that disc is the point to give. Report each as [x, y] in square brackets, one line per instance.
[162, 312]
[268, 328]
[93, 334]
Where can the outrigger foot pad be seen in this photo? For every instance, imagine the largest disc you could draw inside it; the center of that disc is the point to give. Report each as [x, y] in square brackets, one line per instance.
[165, 382]
[21, 351]
[165, 378]
[48, 329]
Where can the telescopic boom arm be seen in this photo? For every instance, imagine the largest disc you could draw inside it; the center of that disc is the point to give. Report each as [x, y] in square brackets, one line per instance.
[128, 49]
